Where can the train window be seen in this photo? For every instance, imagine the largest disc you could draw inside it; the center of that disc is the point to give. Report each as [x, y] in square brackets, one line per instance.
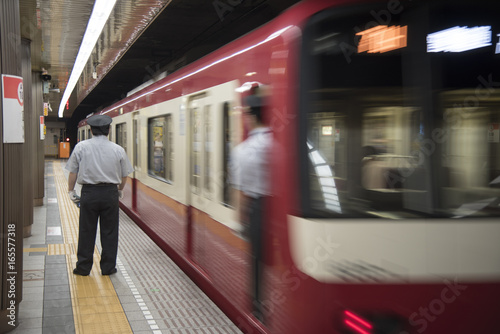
[470, 151]
[226, 149]
[160, 148]
[136, 141]
[327, 133]
[397, 116]
[467, 108]
[389, 172]
[360, 128]
[208, 150]
[197, 146]
[121, 135]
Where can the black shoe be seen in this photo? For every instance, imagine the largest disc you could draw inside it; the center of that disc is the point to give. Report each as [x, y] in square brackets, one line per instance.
[111, 272]
[78, 272]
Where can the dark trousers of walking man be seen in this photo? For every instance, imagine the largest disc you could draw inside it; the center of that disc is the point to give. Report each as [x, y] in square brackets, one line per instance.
[256, 207]
[98, 202]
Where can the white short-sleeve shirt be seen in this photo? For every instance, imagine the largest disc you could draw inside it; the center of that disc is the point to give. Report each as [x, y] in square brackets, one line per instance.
[98, 160]
[250, 171]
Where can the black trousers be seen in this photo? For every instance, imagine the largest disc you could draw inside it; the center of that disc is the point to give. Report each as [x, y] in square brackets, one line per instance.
[98, 202]
[256, 208]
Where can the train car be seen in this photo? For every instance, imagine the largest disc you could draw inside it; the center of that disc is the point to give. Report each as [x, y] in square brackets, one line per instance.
[385, 164]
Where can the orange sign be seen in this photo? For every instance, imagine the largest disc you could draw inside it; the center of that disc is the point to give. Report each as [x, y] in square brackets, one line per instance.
[381, 39]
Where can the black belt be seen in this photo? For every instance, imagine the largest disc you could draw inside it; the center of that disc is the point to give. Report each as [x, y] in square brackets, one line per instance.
[100, 185]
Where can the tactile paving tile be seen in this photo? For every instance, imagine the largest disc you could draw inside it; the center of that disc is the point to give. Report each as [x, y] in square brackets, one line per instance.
[61, 249]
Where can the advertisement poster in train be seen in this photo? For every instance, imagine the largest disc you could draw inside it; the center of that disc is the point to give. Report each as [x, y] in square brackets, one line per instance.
[13, 109]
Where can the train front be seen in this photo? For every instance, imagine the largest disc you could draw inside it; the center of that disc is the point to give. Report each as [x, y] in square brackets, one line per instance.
[393, 222]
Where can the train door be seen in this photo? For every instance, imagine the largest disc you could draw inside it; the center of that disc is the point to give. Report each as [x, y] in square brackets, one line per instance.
[200, 188]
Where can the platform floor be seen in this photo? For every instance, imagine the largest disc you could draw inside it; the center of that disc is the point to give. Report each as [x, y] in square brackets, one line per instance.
[148, 294]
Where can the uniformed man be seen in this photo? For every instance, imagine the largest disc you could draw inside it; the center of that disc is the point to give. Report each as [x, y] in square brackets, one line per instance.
[101, 167]
[251, 177]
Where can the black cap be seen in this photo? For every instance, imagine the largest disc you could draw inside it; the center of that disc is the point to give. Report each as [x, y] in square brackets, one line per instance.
[254, 101]
[99, 120]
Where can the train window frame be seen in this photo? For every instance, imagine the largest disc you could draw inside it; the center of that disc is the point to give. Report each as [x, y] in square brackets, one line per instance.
[121, 135]
[357, 202]
[163, 147]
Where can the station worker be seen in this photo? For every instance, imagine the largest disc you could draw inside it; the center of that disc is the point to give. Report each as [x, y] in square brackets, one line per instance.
[250, 175]
[101, 167]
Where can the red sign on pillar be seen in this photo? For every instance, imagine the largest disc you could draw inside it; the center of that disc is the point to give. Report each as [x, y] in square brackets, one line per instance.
[42, 128]
[13, 109]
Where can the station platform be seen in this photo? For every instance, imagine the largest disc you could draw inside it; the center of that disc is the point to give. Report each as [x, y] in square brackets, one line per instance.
[148, 294]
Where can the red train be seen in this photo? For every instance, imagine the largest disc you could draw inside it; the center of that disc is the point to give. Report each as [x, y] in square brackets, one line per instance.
[385, 168]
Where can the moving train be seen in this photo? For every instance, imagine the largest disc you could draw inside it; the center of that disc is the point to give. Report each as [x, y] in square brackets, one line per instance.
[385, 164]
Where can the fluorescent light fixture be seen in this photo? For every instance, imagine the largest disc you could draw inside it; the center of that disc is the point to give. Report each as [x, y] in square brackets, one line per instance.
[100, 14]
[459, 39]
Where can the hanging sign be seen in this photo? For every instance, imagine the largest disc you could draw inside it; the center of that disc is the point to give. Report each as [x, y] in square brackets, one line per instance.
[13, 109]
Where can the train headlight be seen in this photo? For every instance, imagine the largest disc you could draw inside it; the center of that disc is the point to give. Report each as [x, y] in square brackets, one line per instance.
[356, 323]
[372, 323]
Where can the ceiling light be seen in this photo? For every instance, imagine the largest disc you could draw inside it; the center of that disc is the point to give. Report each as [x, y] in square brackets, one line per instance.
[100, 14]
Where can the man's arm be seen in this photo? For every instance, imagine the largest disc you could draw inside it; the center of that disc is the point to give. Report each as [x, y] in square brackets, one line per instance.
[122, 185]
[72, 181]
[71, 187]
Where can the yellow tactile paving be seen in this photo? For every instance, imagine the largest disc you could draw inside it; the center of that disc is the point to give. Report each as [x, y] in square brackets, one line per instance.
[61, 249]
[28, 250]
[96, 307]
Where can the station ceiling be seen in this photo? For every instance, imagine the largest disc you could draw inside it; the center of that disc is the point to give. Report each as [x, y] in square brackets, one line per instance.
[142, 39]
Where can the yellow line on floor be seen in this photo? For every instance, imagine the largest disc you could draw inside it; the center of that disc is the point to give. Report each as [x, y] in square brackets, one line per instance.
[28, 250]
[60, 249]
[96, 307]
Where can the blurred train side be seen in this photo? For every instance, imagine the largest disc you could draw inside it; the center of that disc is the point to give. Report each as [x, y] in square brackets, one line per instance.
[198, 232]
[194, 221]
